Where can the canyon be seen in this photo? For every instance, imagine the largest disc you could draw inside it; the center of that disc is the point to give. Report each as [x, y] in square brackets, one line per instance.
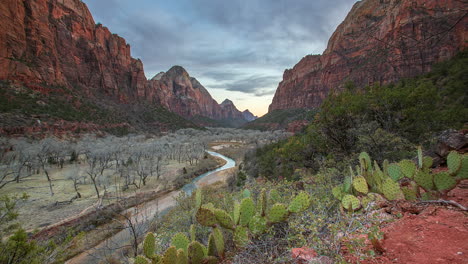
[379, 42]
[57, 43]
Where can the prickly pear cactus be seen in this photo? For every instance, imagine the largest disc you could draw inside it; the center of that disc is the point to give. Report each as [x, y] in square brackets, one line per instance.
[410, 192]
[347, 184]
[350, 202]
[274, 196]
[365, 201]
[262, 202]
[196, 253]
[337, 191]
[365, 161]
[454, 162]
[391, 190]
[219, 241]
[210, 260]
[277, 213]
[300, 203]
[236, 213]
[149, 246]
[241, 236]
[247, 210]
[181, 257]
[180, 241]
[211, 246]
[394, 171]
[444, 182]
[198, 198]
[360, 185]
[420, 157]
[141, 260]
[427, 162]
[463, 172]
[193, 232]
[408, 168]
[425, 180]
[257, 225]
[206, 217]
[170, 256]
[224, 219]
[246, 193]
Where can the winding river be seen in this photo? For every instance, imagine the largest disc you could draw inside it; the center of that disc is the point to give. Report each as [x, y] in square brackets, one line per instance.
[142, 215]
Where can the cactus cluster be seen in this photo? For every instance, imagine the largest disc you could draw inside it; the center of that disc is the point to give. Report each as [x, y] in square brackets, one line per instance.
[248, 219]
[403, 180]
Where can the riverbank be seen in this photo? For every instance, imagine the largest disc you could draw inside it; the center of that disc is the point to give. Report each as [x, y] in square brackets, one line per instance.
[115, 235]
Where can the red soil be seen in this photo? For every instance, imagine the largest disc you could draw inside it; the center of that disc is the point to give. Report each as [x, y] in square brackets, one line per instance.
[439, 234]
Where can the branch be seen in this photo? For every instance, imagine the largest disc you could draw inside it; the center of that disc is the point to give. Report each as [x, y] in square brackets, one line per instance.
[445, 202]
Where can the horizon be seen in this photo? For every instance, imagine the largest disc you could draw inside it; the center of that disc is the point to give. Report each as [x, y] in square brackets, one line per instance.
[259, 40]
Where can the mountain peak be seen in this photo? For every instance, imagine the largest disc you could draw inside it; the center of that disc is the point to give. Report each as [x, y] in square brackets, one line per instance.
[177, 70]
[158, 76]
[248, 115]
[227, 102]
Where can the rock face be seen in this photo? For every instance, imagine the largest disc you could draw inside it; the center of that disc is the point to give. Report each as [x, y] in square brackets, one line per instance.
[230, 111]
[56, 42]
[248, 116]
[380, 41]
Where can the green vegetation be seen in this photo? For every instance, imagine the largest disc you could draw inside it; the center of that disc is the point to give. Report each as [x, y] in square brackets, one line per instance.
[280, 117]
[386, 121]
[396, 181]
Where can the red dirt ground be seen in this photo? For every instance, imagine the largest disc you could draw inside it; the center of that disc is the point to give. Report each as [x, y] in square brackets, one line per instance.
[439, 234]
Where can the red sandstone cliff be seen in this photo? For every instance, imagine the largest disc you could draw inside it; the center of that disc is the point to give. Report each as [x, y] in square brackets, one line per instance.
[380, 41]
[56, 42]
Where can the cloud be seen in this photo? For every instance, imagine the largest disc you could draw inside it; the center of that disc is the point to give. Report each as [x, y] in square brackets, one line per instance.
[236, 44]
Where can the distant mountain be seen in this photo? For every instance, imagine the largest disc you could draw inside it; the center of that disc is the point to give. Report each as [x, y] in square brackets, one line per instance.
[379, 42]
[248, 116]
[55, 49]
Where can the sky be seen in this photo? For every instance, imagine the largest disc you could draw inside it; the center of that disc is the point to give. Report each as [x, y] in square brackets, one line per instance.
[237, 49]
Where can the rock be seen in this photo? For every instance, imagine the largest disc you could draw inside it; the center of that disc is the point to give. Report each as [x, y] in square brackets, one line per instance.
[447, 141]
[248, 116]
[379, 42]
[58, 43]
[303, 254]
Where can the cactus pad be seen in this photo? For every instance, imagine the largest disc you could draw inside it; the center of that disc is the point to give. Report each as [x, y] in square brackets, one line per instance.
[365, 201]
[365, 160]
[350, 202]
[391, 190]
[193, 233]
[181, 257]
[262, 202]
[410, 193]
[444, 182]
[394, 171]
[241, 237]
[360, 185]
[347, 184]
[420, 157]
[337, 191]
[454, 162]
[427, 162]
[277, 213]
[247, 210]
[274, 196]
[180, 241]
[246, 193]
[149, 246]
[224, 219]
[219, 241]
[257, 225]
[141, 260]
[208, 206]
[431, 195]
[463, 172]
[211, 246]
[210, 260]
[424, 180]
[198, 198]
[196, 252]
[170, 256]
[236, 213]
[300, 203]
[408, 168]
[206, 217]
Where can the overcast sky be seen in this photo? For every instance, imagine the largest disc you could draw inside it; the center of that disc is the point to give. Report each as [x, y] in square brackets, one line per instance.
[237, 49]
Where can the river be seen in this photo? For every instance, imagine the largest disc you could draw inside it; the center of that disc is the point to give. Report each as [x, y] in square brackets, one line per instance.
[142, 215]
